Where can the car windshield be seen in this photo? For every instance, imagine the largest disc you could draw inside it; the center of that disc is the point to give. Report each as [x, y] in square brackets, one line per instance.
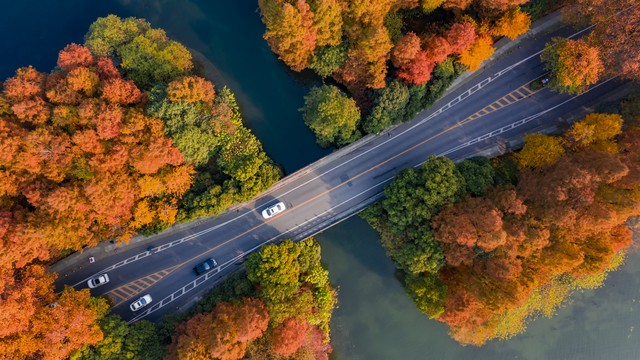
[143, 302]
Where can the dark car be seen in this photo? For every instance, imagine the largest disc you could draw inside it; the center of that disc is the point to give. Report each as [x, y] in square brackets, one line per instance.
[205, 266]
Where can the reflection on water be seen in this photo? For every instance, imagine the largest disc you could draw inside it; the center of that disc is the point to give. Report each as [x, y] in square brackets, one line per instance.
[376, 320]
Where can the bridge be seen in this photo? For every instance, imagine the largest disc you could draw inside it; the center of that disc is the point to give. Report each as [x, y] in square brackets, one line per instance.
[487, 114]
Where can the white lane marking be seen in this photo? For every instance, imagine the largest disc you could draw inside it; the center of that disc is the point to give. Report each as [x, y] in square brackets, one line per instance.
[475, 88]
[198, 281]
[517, 123]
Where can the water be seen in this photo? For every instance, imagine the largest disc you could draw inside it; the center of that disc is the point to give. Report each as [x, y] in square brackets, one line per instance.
[375, 320]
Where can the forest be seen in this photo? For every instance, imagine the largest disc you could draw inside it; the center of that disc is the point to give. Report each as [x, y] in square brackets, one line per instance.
[486, 245]
[391, 59]
[121, 138]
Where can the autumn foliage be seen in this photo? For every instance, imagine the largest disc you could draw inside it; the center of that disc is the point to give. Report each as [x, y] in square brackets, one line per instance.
[221, 334]
[563, 219]
[41, 324]
[512, 24]
[280, 309]
[79, 149]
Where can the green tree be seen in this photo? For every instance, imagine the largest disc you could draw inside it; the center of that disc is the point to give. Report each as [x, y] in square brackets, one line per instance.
[477, 173]
[146, 54]
[331, 115]
[138, 341]
[414, 196]
[427, 292]
[106, 35]
[327, 59]
[388, 107]
[276, 270]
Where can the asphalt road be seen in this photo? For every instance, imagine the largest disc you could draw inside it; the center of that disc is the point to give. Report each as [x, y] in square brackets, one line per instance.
[492, 107]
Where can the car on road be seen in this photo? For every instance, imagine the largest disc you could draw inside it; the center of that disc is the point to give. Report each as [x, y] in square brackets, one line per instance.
[273, 210]
[205, 266]
[140, 303]
[98, 280]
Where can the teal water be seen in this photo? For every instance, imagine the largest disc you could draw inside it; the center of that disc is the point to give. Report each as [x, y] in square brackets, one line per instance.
[375, 320]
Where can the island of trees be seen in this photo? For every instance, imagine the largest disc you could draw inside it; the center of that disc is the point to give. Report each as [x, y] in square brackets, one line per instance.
[485, 245]
[121, 138]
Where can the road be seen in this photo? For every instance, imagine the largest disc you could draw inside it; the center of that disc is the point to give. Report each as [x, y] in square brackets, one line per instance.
[493, 106]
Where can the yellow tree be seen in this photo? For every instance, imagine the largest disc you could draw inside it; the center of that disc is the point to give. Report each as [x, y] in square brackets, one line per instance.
[479, 51]
[290, 31]
[574, 64]
[512, 24]
[540, 150]
[594, 128]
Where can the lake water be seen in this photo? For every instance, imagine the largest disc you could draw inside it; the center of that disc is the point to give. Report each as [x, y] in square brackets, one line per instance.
[375, 320]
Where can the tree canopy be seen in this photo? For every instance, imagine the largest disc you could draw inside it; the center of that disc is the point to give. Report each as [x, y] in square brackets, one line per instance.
[331, 115]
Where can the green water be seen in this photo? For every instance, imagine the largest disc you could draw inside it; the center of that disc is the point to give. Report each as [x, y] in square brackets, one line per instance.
[375, 319]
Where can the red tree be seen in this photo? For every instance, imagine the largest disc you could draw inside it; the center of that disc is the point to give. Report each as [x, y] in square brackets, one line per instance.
[460, 36]
[73, 56]
[289, 336]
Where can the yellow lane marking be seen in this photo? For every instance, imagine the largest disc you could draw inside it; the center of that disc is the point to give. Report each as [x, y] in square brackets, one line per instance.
[136, 286]
[163, 273]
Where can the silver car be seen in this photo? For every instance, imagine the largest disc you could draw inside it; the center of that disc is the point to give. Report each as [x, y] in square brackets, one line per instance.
[273, 210]
[140, 303]
[98, 280]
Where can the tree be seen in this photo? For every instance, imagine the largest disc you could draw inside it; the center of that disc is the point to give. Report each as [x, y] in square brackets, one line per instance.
[594, 128]
[289, 336]
[477, 173]
[327, 20]
[221, 334]
[190, 89]
[331, 115]
[615, 34]
[106, 35]
[415, 196]
[460, 36]
[276, 270]
[405, 50]
[418, 71]
[290, 31]
[74, 56]
[500, 5]
[479, 51]
[430, 5]
[427, 292]
[388, 107]
[437, 48]
[574, 64]
[540, 150]
[366, 62]
[328, 59]
[512, 23]
[146, 54]
[138, 341]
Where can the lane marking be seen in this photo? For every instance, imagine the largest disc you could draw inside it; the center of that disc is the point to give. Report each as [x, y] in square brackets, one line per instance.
[473, 89]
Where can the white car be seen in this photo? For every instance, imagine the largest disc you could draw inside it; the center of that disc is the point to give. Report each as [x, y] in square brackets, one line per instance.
[97, 281]
[140, 303]
[273, 210]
